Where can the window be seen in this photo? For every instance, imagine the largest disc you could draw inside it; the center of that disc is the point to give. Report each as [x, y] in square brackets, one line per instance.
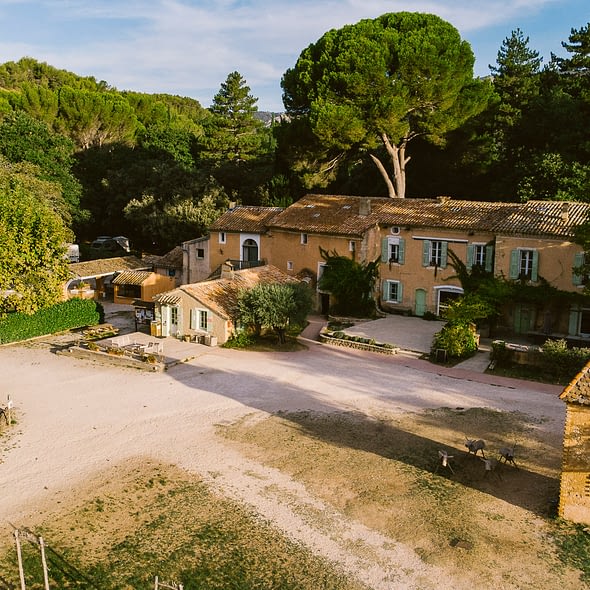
[579, 279]
[481, 255]
[200, 253]
[321, 268]
[304, 238]
[524, 264]
[171, 272]
[352, 246]
[222, 237]
[199, 319]
[434, 253]
[392, 250]
[289, 265]
[392, 291]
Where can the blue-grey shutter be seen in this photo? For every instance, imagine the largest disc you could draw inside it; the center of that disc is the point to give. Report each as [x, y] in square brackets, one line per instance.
[443, 256]
[514, 264]
[193, 319]
[384, 250]
[535, 269]
[385, 290]
[489, 258]
[426, 253]
[400, 293]
[578, 262]
[470, 255]
[401, 251]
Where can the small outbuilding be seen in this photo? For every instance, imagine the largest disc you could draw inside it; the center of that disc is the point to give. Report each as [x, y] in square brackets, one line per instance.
[132, 285]
[207, 311]
[574, 498]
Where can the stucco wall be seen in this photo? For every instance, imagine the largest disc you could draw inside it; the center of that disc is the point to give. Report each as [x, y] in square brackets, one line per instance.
[574, 500]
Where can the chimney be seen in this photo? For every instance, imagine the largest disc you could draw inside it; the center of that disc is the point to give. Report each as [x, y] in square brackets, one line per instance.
[443, 200]
[565, 212]
[365, 207]
[227, 270]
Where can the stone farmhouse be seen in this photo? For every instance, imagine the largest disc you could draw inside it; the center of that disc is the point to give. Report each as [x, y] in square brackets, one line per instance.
[531, 242]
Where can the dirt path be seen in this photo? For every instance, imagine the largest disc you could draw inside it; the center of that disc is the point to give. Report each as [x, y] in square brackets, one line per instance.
[77, 420]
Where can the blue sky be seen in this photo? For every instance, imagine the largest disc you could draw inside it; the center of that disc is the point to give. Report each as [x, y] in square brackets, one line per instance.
[188, 47]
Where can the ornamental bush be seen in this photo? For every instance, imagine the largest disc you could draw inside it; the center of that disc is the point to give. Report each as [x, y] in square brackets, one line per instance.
[458, 339]
[73, 313]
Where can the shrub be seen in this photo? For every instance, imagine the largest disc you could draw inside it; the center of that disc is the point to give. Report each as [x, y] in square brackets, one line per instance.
[561, 361]
[73, 313]
[458, 339]
[500, 354]
[240, 340]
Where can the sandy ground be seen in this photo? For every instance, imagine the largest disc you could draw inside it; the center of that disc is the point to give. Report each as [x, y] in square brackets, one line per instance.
[76, 419]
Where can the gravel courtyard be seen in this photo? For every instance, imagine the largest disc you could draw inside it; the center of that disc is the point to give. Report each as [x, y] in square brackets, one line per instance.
[78, 420]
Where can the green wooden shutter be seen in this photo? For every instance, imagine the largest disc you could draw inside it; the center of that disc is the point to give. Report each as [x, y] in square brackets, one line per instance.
[401, 251]
[578, 262]
[426, 253]
[400, 292]
[385, 294]
[573, 321]
[535, 269]
[470, 254]
[384, 250]
[489, 258]
[514, 264]
[443, 257]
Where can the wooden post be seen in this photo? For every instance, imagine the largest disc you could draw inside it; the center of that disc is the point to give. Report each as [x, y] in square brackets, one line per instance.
[156, 584]
[9, 410]
[44, 562]
[21, 572]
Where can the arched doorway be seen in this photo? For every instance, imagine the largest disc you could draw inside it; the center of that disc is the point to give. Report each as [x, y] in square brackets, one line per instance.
[249, 250]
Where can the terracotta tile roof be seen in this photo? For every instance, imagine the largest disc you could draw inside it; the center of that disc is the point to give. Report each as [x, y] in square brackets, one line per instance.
[106, 266]
[172, 259]
[132, 277]
[221, 295]
[578, 391]
[245, 219]
[344, 215]
[545, 218]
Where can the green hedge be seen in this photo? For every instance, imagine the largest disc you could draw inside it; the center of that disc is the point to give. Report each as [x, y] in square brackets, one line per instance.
[457, 338]
[73, 313]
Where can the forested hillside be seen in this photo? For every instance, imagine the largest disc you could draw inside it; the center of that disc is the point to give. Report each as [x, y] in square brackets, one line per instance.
[160, 168]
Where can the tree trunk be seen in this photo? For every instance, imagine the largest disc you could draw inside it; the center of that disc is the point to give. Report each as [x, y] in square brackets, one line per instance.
[396, 186]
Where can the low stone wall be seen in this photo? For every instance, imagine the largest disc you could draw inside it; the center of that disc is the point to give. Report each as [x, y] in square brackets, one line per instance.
[113, 359]
[327, 338]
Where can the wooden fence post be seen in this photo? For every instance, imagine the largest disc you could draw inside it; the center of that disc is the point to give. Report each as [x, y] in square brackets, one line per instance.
[21, 571]
[44, 562]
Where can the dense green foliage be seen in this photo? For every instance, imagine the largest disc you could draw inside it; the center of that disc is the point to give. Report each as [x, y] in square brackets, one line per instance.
[350, 283]
[33, 235]
[458, 339]
[383, 82]
[276, 306]
[65, 315]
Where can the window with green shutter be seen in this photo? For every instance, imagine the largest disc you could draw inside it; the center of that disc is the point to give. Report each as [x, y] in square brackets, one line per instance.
[578, 279]
[392, 291]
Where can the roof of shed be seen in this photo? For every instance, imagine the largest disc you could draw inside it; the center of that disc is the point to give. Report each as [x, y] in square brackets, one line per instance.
[132, 277]
[106, 266]
[578, 391]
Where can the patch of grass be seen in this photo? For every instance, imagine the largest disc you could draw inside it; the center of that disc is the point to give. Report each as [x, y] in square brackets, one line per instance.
[573, 544]
[183, 533]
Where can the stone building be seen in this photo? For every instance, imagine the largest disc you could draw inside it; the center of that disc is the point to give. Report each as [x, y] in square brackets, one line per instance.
[574, 498]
